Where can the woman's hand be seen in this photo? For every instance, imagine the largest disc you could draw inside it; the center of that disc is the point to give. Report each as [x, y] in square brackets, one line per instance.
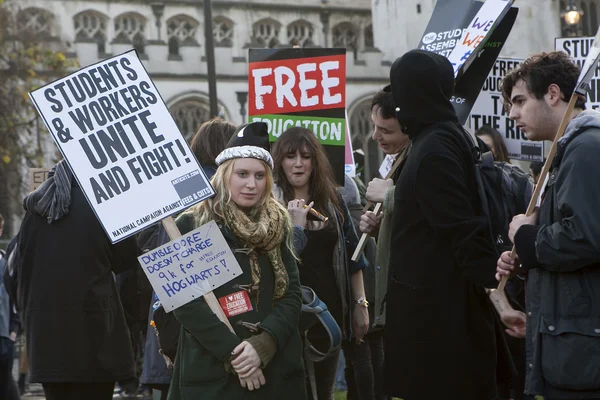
[245, 360]
[298, 212]
[253, 381]
[360, 322]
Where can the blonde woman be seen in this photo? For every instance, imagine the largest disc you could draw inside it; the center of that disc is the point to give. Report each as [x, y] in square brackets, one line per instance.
[263, 359]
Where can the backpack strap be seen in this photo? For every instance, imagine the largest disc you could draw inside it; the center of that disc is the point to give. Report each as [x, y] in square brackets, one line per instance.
[311, 304]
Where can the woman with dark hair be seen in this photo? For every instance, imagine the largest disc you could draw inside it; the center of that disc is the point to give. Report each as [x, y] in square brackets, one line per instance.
[209, 141]
[493, 140]
[303, 174]
[262, 358]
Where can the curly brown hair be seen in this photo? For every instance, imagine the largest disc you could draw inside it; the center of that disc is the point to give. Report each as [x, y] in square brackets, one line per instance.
[540, 71]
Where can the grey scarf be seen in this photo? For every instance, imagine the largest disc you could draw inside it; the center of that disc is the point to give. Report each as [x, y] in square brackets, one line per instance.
[53, 198]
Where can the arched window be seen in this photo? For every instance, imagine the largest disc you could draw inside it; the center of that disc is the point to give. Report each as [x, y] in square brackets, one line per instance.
[90, 26]
[181, 30]
[223, 31]
[345, 34]
[369, 42]
[189, 114]
[37, 22]
[300, 33]
[361, 128]
[265, 33]
[131, 28]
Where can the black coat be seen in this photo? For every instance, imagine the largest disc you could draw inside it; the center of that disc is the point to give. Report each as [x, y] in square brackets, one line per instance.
[441, 328]
[74, 320]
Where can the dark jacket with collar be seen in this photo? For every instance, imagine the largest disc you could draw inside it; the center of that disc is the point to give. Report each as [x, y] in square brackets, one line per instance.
[205, 342]
[562, 259]
[73, 317]
[441, 334]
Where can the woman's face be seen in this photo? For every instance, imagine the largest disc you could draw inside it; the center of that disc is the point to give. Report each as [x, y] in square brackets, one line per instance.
[247, 182]
[298, 168]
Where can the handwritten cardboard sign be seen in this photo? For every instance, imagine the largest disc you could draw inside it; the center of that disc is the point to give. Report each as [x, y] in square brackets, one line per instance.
[478, 30]
[190, 266]
[37, 176]
[122, 144]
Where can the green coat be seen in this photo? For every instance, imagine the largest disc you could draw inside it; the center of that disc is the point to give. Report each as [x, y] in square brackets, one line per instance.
[205, 342]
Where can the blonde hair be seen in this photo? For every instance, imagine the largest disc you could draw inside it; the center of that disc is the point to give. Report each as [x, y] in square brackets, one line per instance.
[213, 208]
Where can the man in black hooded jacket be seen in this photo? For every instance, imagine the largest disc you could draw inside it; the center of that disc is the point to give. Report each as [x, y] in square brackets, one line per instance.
[441, 333]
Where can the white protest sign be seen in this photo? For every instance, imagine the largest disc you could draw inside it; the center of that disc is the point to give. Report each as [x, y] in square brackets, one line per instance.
[489, 110]
[578, 49]
[477, 32]
[350, 166]
[188, 267]
[387, 164]
[121, 143]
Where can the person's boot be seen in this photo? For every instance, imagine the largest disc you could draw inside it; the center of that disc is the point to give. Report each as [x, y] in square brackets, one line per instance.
[21, 383]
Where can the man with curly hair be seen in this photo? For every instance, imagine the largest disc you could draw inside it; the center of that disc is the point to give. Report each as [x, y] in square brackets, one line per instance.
[558, 247]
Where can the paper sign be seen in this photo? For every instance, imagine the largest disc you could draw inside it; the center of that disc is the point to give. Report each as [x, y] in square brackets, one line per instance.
[387, 164]
[303, 87]
[37, 176]
[190, 266]
[350, 166]
[489, 110]
[448, 29]
[579, 48]
[123, 146]
[480, 28]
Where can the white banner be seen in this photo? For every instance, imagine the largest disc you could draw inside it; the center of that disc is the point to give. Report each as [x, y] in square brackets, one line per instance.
[188, 267]
[489, 110]
[578, 49]
[123, 146]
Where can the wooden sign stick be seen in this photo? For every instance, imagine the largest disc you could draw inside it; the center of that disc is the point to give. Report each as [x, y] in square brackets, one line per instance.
[363, 239]
[173, 232]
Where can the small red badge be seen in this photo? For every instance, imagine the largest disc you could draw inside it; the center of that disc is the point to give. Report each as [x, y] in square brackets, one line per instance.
[235, 303]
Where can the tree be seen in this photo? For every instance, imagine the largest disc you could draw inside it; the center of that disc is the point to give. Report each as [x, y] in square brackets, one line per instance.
[29, 58]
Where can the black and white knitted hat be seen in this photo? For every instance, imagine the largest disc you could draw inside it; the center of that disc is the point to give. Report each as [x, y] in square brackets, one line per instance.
[248, 141]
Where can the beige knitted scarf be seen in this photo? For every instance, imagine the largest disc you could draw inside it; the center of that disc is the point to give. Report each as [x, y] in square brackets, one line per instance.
[263, 235]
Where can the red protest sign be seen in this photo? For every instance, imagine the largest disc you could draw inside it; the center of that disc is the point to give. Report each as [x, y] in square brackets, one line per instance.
[296, 85]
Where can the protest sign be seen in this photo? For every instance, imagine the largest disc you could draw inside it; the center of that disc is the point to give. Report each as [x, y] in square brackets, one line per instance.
[304, 87]
[470, 83]
[489, 110]
[190, 266]
[350, 166]
[457, 26]
[477, 32]
[578, 48]
[37, 176]
[123, 146]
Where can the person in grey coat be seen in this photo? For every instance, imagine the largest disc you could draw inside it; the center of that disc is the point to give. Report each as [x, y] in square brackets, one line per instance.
[559, 245]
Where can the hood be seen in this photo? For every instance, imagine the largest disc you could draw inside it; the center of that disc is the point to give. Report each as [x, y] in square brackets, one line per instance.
[586, 118]
[422, 85]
